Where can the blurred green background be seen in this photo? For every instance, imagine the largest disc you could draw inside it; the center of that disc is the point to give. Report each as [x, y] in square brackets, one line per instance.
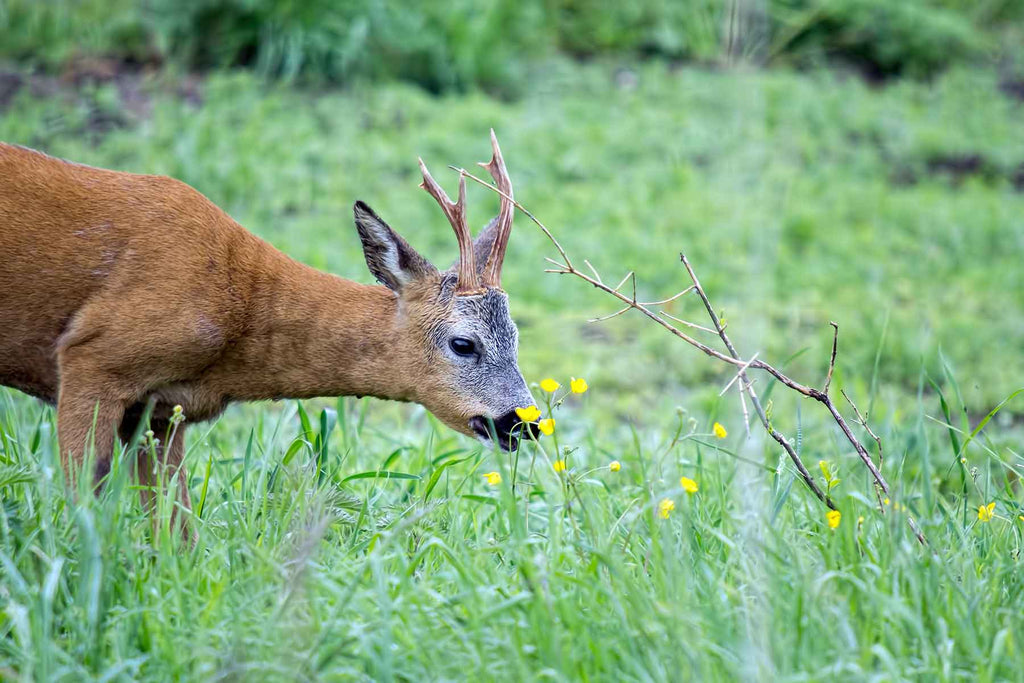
[860, 161]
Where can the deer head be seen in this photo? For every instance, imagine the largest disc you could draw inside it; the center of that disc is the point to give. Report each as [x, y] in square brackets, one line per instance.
[455, 325]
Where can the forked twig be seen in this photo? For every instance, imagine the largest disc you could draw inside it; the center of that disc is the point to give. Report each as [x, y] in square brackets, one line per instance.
[863, 422]
[732, 357]
[758, 408]
[737, 375]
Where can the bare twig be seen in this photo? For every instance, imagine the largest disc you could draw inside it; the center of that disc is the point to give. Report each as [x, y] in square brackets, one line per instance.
[688, 323]
[878, 442]
[832, 360]
[732, 357]
[743, 403]
[737, 375]
[547, 233]
[758, 408]
[670, 299]
[608, 317]
[623, 280]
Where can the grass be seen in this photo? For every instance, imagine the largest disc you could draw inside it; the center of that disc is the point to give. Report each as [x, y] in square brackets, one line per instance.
[799, 198]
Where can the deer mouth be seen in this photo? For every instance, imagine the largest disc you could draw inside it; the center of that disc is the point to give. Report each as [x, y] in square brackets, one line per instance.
[507, 430]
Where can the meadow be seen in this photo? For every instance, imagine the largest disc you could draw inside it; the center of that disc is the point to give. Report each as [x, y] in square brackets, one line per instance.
[354, 539]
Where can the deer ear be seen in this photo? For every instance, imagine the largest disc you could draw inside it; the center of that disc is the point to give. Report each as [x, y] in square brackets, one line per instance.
[483, 244]
[390, 258]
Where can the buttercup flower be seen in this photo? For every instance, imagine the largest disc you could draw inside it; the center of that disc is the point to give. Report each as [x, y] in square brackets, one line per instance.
[986, 512]
[834, 517]
[549, 385]
[547, 426]
[493, 478]
[665, 507]
[559, 466]
[528, 414]
[578, 385]
[615, 466]
[719, 431]
[689, 485]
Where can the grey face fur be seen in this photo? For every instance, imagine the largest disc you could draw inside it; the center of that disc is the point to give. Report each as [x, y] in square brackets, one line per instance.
[491, 373]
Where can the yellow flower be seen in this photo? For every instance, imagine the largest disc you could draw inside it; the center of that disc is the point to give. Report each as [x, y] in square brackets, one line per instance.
[860, 520]
[559, 466]
[689, 485]
[549, 385]
[547, 426]
[578, 385]
[528, 414]
[834, 517]
[719, 431]
[886, 501]
[615, 466]
[986, 512]
[493, 478]
[665, 507]
[1021, 518]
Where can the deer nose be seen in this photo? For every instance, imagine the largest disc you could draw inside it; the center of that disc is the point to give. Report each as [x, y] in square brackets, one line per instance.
[510, 421]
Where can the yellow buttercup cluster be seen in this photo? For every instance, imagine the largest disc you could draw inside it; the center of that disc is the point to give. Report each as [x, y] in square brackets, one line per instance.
[689, 485]
[719, 430]
[559, 466]
[547, 426]
[665, 507]
[578, 385]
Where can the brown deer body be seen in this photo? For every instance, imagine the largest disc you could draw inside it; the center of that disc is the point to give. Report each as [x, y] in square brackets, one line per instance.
[117, 289]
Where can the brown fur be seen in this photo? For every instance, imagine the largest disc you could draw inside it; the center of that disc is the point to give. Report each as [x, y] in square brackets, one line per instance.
[116, 288]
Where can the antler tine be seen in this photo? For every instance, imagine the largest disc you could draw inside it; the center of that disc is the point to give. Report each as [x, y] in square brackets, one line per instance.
[456, 214]
[496, 167]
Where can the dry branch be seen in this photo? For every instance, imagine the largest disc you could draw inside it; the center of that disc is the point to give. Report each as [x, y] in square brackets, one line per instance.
[732, 357]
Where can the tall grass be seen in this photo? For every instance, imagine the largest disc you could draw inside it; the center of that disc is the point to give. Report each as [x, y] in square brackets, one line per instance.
[330, 551]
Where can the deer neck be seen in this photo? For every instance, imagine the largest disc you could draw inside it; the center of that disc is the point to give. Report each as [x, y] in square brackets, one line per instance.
[316, 334]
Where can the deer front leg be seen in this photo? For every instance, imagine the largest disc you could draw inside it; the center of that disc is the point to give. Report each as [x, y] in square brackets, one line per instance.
[87, 420]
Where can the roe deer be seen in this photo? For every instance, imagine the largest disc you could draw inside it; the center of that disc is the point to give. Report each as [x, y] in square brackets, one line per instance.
[119, 289]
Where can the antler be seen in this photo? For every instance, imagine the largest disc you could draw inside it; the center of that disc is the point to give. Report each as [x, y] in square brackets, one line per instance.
[468, 282]
[496, 167]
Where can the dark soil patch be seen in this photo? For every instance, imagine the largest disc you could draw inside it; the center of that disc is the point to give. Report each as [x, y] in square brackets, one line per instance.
[956, 169]
[136, 85]
[1013, 87]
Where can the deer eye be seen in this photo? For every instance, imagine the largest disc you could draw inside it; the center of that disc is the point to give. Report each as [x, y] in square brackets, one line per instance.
[462, 346]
